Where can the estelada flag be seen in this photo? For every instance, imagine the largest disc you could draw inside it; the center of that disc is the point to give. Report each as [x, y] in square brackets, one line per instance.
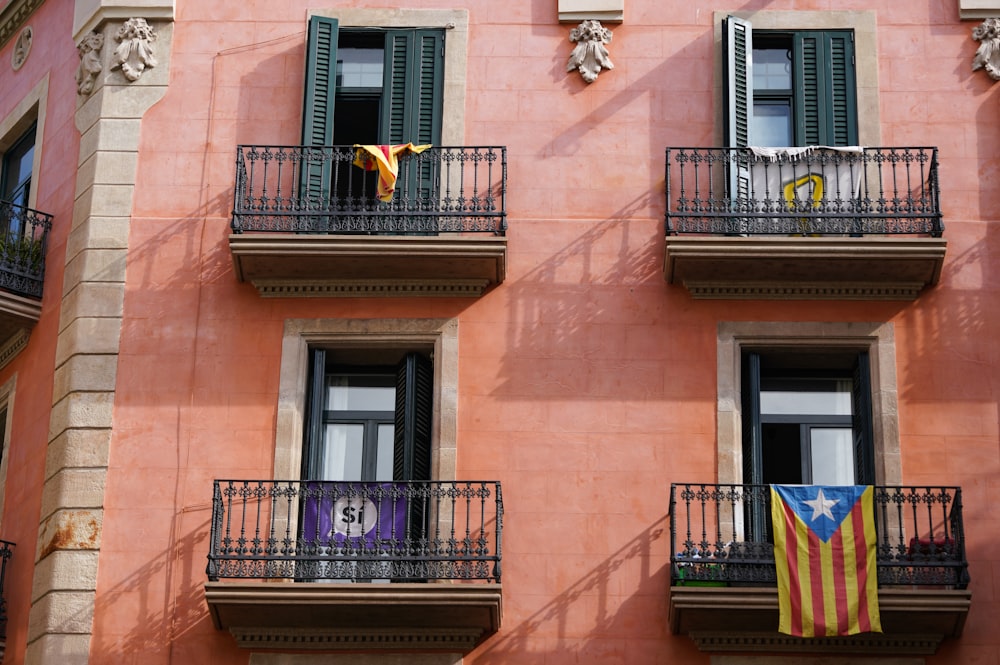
[824, 552]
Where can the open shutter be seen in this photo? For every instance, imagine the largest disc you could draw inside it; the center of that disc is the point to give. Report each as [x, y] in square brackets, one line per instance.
[738, 35]
[861, 410]
[414, 400]
[753, 454]
[412, 449]
[843, 89]
[317, 107]
[825, 94]
[313, 458]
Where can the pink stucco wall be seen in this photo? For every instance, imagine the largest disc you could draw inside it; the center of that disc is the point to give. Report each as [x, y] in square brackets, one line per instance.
[587, 384]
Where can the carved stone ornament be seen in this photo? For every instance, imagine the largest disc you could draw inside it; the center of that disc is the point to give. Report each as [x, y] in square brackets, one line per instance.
[988, 53]
[134, 52]
[21, 48]
[90, 62]
[589, 55]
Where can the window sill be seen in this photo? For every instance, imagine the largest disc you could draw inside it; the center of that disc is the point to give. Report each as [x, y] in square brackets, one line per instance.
[434, 616]
[299, 265]
[800, 268]
[914, 621]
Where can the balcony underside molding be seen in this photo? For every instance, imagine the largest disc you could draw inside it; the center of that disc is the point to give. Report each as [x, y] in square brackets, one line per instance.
[914, 621]
[18, 315]
[298, 265]
[866, 268]
[281, 615]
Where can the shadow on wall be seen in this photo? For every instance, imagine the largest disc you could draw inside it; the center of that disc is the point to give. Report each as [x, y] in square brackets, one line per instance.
[595, 638]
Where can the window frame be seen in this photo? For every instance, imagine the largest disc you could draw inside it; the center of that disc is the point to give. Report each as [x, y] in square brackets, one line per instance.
[455, 22]
[440, 335]
[862, 23]
[877, 338]
[30, 110]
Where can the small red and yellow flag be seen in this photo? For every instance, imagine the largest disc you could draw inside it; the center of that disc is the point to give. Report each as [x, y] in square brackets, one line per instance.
[385, 160]
[824, 551]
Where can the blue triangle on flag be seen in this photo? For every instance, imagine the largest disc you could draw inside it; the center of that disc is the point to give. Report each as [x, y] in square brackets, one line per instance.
[822, 508]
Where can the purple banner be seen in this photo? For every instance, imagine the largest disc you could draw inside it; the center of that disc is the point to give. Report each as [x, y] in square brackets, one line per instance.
[354, 514]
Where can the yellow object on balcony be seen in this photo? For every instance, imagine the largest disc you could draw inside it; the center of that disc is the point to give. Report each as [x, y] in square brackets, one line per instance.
[385, 159]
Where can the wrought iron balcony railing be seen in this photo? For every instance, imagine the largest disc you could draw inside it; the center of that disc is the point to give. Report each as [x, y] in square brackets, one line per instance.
[318, 530]
[6, 551]
[720, 535]
[23, 234]
[318, 189]
[809, 192]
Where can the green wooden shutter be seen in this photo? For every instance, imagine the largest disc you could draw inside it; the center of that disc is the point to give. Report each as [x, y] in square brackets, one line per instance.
[413, 87]
[863, 432]
[756, 520]
[738, 35]
[313, 457]
[317, 106]
[843, 89]
[412, 445]
[825, 95]
[414, 401]
[739, 81]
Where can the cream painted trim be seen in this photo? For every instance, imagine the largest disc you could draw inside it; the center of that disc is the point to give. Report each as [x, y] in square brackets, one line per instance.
[299, 334]
[877, 338]
[90, 14]
[13, 16]
[863, 23]
[30, 109]
[456, 49]
[978, 9]
[6, 402]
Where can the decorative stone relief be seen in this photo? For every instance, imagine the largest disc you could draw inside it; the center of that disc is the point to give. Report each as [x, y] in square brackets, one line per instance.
[134, 52]
[988, 53]
[21, 48]
[589, 55]
[90, 62]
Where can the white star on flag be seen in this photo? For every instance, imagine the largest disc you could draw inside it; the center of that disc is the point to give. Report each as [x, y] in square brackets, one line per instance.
[821, 505]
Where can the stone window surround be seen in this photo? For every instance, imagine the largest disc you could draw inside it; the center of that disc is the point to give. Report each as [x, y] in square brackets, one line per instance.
[456, 23]
[875, 337]
[31, 109]
[6, 402]
[300, 334]
[862, 23]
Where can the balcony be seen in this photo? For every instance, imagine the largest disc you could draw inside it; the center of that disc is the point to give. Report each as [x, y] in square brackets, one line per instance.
[723, 590]
[822, 223]
[23, 234]
[6, 551]
[336, 565]
[307, 222]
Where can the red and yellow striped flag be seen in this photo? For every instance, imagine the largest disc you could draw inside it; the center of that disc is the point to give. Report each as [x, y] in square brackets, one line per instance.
[824, 551]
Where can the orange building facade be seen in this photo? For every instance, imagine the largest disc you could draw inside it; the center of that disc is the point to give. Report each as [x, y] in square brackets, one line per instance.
[519, 402]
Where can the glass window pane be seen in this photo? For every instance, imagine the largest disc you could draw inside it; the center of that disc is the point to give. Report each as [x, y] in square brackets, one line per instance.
[343, 449]
[383, 463]
[772, 69]
[818, 397]
[359, 67]
[832, 455]
[772, 124]
[360, 392]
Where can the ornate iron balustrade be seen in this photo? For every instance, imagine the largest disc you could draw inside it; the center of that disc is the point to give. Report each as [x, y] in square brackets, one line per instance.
[720, 534]
[811, 192]
[23, 234]
[320, 530]
[6, 552]
[318, 189]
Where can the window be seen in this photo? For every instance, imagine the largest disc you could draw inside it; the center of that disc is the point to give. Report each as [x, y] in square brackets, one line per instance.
[368, 422]
[360, 346]
[15, 171]
[791, 351]
[807, 417]
[790, 88]
[371, 86]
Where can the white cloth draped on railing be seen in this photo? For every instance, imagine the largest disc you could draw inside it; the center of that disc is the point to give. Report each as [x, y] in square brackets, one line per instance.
[807, 179]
